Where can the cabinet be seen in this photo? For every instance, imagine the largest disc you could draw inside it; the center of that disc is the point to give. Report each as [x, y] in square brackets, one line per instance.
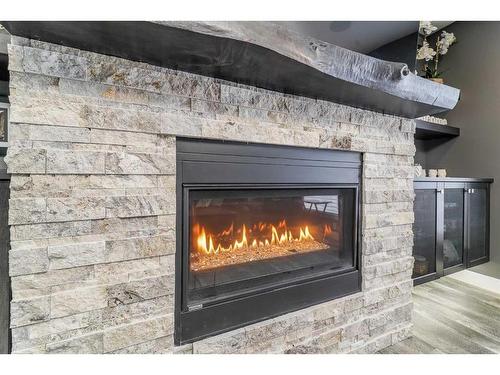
[451, 228]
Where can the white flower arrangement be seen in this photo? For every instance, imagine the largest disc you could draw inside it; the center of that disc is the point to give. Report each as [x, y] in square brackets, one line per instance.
[427, 53]
[446, 40]
[426, 28]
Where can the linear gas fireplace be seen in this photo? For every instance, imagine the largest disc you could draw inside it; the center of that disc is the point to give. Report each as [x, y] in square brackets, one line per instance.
[263, 230]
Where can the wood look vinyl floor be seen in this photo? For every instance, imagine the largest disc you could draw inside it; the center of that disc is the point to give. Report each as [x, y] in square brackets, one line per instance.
[451, 316]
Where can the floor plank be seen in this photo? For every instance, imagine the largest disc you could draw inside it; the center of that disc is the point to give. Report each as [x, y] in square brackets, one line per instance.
[463, 325]
[412, 345]
[452, 316]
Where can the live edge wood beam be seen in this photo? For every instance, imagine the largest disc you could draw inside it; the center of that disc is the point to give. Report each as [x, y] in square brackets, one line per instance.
[261, 54]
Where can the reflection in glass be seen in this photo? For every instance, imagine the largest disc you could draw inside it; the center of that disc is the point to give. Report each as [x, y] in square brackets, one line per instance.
[453, 248]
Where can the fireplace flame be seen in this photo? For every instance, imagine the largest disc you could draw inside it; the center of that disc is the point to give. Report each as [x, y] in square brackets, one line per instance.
[206, 243]
[327, 231]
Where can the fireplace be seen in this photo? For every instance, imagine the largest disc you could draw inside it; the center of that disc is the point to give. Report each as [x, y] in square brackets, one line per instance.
[263, 230]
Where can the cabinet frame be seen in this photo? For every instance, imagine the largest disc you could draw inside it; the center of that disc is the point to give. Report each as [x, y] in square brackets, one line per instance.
[427, 185]
[475, 262]
[440, 186]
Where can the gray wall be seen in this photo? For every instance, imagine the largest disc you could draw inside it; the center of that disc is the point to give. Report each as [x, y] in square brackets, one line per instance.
[473, 65]
[421, 153]
[401, 50]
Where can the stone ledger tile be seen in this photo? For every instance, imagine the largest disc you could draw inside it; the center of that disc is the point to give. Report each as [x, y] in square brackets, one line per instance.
[77, 300]
[29, 311]
[136, 333]
[70, 209]
[75, 162]
[25, 161]
[76, 255]
[139, 163]
[28, 261]
[59, 134]
[53, 64]
[27, 210]
[89, 344]
[140, 290]
[140, 247]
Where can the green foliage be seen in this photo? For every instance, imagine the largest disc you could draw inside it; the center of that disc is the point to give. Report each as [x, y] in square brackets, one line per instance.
[429, 72]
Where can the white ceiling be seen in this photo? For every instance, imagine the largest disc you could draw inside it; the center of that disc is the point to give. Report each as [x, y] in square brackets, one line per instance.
[360, 36]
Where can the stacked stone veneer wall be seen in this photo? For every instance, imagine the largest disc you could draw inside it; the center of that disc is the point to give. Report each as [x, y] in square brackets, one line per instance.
[92, 209]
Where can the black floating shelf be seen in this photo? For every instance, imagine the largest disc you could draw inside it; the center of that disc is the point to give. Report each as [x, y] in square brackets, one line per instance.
[427, 130]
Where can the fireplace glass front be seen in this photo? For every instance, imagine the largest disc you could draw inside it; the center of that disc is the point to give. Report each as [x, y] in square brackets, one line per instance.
[246, 239]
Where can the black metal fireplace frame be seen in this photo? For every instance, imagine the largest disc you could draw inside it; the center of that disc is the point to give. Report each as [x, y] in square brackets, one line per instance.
[253, 166]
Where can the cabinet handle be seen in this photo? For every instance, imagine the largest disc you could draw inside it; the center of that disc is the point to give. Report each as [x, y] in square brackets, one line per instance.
[440, 191]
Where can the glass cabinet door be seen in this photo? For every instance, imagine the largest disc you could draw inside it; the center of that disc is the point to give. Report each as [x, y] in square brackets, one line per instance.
[478, 224]
[424, 229]
[453, 242]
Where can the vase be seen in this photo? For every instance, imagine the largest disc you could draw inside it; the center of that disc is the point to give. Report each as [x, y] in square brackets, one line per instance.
[418, 170]
[437, 80]
[432, 173]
